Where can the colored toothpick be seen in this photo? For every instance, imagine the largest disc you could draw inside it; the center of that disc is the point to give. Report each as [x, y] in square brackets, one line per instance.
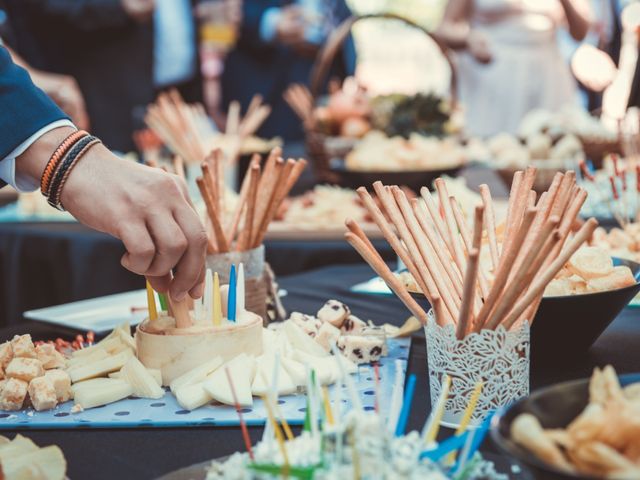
[151, 301]
[217, 301]
[231, 299]
[473, 401]
[164, 304]
[430, 430]
[207, 298]
[327, 406]
[243, 425]
[406, 405]
[276, 429]
[240, 305]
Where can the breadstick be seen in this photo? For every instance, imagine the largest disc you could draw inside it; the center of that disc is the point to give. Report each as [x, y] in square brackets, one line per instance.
[425, 248]
[387, 275]
[280, 192]
[252, 191]
[501, 276]
[454, 238]
[469, 242]
[355, 228]
[299, 167]
[180, 311]
[511, 208]
[242, 202]
[468, 295]
[395, 243]
[209, 180]
[396, 217]
[435, 215]
[490, 224]
[266, 190]
[543, 280]
[445, 263]
[221, 240]
[522, 276]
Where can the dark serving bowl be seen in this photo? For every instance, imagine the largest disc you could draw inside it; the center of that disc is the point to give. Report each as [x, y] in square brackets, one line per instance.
[569, 325]
[555, 407]
[413, 179]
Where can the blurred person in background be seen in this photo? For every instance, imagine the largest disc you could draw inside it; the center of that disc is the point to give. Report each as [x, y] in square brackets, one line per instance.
[122, 53]
[509, 61]
[277, 47]
[62, 89]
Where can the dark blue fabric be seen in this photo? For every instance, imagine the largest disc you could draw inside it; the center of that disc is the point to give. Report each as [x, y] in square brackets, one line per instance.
[24, 108]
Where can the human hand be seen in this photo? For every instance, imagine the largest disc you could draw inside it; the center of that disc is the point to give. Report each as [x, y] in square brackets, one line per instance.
[64, 90]
[478, 47]
[139, 10]
[146, 208]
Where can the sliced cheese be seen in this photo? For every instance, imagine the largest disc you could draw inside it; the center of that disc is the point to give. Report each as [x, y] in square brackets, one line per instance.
[241, 370]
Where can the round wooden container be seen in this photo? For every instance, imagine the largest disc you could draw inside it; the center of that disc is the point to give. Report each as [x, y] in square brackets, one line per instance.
[176, 351]
[255, 287]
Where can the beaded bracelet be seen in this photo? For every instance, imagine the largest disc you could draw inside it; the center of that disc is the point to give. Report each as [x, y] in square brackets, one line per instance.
[62, 172]
[57, 155]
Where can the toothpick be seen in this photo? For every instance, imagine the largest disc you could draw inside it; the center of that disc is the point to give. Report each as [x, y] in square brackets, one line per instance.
[217, 301]
[151, 302]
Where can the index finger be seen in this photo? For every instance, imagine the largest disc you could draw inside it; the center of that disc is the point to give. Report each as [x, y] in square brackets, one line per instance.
[188, 273]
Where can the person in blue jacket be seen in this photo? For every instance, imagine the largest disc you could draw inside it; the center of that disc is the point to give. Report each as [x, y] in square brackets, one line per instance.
[146, 208]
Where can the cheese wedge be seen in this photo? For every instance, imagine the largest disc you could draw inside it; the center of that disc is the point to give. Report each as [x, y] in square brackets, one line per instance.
[111, 390]
[196, 375]
[263, 379]
[241, 370]
[143, 383]
[301, 341]
[192, 396]
[101, 367]
[16, 447]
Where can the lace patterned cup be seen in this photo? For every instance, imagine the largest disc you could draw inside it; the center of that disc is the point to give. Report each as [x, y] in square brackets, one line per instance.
[499, 358]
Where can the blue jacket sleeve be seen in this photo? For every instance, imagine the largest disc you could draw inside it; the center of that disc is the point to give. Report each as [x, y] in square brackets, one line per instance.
[24, 108]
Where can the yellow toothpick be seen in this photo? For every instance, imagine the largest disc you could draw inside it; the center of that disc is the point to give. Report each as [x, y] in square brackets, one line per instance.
[434, 426]
[217, 301]
[327, 405]
[473, 401]
[277, 431]
[151, 303]
[466, 417]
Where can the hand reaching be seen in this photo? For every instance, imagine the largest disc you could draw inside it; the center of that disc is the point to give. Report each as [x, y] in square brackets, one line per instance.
[146, 208]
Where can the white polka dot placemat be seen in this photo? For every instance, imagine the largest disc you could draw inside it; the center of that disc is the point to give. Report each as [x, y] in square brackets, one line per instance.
[165, 412]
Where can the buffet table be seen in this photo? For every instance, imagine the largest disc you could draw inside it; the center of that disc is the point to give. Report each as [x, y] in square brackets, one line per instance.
[150, 452]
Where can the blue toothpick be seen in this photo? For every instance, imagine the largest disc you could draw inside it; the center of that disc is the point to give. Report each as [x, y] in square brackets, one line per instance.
[406, 405]
[231, 300]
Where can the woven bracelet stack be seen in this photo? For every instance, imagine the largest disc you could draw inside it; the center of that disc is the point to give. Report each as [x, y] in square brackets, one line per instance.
[62, 161]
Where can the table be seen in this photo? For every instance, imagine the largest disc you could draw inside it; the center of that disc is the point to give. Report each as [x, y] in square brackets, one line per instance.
[49, 263]
[148, 453]
[43, 264]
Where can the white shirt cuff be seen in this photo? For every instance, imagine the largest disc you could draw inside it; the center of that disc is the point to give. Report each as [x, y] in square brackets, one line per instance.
[24, 183]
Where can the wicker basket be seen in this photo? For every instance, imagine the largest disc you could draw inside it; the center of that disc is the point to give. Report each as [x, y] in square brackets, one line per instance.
[321, 147]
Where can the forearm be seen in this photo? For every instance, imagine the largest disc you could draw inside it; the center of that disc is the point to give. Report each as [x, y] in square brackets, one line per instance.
[33, 160]
[578, 19]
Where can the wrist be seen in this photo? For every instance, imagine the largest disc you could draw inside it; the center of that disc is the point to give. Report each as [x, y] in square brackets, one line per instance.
[32, 162]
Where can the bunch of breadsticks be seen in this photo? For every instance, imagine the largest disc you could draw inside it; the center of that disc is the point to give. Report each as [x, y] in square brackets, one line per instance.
[187, 130]
[261, 194]
[442, 251]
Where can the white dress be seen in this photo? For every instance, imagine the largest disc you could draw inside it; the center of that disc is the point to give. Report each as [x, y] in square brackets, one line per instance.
[527, 70]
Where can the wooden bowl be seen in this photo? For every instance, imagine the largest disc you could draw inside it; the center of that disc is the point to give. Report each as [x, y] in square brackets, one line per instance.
[176, 351]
